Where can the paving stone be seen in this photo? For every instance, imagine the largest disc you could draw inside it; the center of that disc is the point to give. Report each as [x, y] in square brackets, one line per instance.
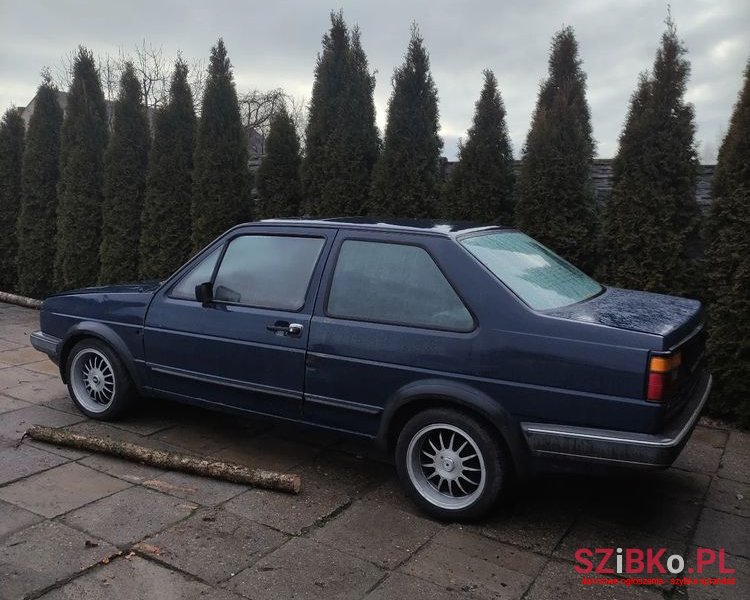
[212, 544]
[302, 568]
[8, 404]
[64, 451]
[591, 533]
[14, 424]
[37, 557]
[390, 492]
[60, 489]
[729, 496]
[538, 526]
[12, 377]
[381, 534]
[130, 515]
[6, 345]
[739, 591]
[63, 403]
[144, 424]
[466, 562]
[136, 578]
[13, 518]
[21, 356]
[701, 454]
[38, 392]
[739, 441]
[558, 581]
[44, 366]
[203, 490]
[735, 465]
[398, 586]
[269, 452]
[25, 460]
[123, 469]
[107, 431]
[327, 485]
[722, 530]
[199, 438]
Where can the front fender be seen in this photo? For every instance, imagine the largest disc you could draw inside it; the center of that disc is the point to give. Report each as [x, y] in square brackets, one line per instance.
[423, 394]
[107, 334]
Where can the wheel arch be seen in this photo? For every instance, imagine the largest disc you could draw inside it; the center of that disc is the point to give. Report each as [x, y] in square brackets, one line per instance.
[103, 333]
[418, 396]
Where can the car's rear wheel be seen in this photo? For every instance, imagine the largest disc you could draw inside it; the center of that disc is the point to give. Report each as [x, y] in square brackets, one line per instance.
[451, 464]
[98, 382]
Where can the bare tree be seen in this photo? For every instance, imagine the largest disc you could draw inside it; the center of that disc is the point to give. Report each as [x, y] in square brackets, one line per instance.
[197, 76]
[258, 107]
[154, 71]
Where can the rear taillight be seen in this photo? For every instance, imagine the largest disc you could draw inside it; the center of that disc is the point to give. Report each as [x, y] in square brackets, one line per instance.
[663, 372]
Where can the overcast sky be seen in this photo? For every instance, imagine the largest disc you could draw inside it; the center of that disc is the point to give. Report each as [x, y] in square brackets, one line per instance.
[274, 44]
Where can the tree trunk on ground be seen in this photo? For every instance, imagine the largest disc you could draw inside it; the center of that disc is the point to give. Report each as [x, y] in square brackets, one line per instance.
[169, 460]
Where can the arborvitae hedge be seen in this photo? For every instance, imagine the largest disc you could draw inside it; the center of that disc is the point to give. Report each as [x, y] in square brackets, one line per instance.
[84, 140]
[341, 140]
[278, 178]
[166, 223]
[556, 197]
[728, 262]
[652, 217]
[480, 187]
[11, 153]
[37, 221]
[407, 176]
[221, 190]
[124, 183]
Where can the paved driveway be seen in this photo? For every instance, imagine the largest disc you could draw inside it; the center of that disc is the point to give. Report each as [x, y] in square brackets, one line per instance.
[78, 525]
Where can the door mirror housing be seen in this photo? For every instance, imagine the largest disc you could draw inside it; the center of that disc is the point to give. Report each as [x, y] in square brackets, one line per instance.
[204, 293]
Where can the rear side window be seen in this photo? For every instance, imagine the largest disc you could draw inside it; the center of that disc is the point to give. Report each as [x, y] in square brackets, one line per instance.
[394, 283]
[267, 271]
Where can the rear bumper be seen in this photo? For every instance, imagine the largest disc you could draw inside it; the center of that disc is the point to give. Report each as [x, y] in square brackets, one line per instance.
[619, 447]
[46, 343]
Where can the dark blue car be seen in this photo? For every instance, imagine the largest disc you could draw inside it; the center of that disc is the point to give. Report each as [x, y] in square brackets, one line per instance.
[473, 353]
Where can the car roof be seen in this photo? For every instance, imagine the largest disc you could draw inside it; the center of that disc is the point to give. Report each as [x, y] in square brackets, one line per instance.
[424, 226]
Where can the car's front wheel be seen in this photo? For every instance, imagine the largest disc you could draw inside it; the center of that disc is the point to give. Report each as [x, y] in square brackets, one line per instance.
[98, 382]
[451, 464]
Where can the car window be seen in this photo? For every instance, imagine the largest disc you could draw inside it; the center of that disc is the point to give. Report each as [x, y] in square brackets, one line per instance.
[537, 275]
[200, 273]
[267, 271]
[394, 283]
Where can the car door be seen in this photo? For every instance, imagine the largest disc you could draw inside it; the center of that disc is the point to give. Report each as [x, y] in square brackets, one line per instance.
[387, 315]
[246, 348]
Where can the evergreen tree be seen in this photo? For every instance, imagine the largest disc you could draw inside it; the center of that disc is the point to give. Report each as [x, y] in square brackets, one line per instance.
[651, 220]
[728, 261]
[480, 187]
[37, 221]
[342, 140]
[82, 146]
[407, 176]
[11, 153]
[125, 165]
[278, 178]
[166, 224]
[556, 199]
[220, 170]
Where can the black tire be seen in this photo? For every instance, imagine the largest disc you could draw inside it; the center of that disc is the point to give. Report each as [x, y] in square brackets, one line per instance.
[471, 502]
[123, 391]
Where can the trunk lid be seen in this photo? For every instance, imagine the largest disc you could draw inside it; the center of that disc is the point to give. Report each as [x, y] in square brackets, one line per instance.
[670, 317]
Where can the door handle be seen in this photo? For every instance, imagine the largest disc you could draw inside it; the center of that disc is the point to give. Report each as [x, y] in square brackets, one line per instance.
[285, 328]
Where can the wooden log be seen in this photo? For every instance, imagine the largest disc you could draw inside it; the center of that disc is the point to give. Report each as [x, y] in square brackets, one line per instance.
[172, 461]
[20, 300]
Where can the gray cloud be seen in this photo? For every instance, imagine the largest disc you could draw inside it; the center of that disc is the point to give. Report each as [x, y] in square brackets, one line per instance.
[275, 45]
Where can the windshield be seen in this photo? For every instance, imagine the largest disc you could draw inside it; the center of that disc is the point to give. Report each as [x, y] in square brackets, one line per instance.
[539, 277]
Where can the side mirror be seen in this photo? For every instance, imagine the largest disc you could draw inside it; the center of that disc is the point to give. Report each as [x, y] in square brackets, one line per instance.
[204, 293]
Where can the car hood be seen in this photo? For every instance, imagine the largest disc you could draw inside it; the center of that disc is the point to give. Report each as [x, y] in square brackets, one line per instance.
[126, 303]
[668, 316]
